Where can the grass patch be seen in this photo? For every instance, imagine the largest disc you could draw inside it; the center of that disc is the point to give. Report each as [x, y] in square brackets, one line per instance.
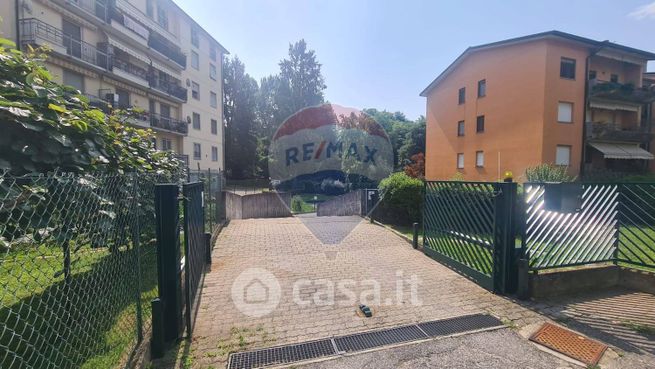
[644, 329]
[86, 321]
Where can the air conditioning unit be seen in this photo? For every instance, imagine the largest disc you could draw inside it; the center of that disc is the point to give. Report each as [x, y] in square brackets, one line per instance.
[112, 99]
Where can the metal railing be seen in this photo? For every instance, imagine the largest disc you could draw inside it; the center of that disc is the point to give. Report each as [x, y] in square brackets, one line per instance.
[196, 252]
[615, 132]
[33, 30]
[168, 123]
[621, 91]
[161, 46]
[130, 68]
[77, 268]
[170, 88]
[98, 8]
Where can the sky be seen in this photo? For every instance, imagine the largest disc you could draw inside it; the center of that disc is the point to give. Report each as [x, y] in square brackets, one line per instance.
[382, 54]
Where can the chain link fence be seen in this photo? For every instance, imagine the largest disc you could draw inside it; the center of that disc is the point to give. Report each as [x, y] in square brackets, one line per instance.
[214, 184]
[78, 268]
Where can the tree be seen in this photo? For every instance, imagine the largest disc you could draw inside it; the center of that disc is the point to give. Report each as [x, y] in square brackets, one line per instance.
[413, 142]
[240, 114]
[301, 83]
[416, 169]
[407, 137]
[47, 126]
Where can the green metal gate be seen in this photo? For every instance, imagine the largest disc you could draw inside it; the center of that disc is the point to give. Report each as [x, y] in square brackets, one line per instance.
[469, 227]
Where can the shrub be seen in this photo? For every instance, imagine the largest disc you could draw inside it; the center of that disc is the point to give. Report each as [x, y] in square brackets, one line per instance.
[296, 204]
[548, 173]
[402, 198]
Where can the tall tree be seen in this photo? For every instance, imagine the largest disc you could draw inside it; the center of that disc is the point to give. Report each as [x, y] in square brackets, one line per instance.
[240, 114]
[300, 83]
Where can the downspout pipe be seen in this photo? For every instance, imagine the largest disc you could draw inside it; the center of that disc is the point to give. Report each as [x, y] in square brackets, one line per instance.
[17, 6]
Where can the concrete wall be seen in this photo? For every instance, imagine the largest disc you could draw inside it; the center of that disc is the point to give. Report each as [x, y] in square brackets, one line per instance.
[261, 205]
[346, 204]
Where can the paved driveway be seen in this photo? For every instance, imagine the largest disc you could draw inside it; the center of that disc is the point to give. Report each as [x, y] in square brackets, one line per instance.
[322, 283]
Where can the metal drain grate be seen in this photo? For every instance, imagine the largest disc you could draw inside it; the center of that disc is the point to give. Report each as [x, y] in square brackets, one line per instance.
[459, 324]
[569, 343]
[360, 341]
[281, 354]
[365, 341]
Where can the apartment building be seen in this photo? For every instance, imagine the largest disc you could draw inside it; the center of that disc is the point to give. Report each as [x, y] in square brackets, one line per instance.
[147, 54]
[550, 97]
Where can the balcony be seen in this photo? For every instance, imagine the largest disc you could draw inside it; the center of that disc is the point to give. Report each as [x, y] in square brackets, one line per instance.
[169, 88]
[163, 47]
[168, 124]
[130, 72]
[36, 32]
[614, 132]
[99, 8]
[621, 92]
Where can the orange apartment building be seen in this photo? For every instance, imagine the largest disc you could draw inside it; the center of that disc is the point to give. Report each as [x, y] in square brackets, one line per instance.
[550, 97]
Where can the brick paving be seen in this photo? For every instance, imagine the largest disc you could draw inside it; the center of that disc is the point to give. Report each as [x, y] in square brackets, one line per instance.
[306, 249]
[291, 252]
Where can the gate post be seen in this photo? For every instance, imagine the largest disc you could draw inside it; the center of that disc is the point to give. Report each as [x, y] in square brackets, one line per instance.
[505, 278]
[168, 259]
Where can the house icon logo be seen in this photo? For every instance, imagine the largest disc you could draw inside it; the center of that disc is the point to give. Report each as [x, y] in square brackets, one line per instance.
[256, 292]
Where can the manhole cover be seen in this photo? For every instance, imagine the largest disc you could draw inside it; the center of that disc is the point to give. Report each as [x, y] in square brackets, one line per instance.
[569, 343]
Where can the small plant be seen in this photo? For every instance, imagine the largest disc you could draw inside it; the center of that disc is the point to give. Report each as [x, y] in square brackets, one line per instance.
[548, 173]
[296, 204]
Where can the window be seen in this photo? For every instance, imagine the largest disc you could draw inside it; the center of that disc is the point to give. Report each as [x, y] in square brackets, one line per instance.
[195, 40]
[74, 80]
[614, 78]
[196, 121]
[563, 155]
[565, 112]
[479, 159]
[195, 60]
[479, 124]
[462, 95]
[212, 52]
[166, 144]
[567, 68]
[154, 143]
[165, 110]
[123, 99]
[460, 128]
[592, 74]
[152, 106]
[212, 71]
[214, 153]
[162, 17]
[214, 124]
[197, 153]
[460, 161]
[482, 88]
[213, 99]
[195, 90]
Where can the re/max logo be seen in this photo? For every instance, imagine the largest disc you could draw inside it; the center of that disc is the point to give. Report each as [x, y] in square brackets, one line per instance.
[310, 151]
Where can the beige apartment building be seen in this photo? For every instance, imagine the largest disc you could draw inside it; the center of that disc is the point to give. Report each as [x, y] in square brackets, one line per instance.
[147, 54]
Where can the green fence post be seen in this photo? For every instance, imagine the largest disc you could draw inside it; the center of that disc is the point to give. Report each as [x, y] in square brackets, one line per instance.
[168, 259]
[157, 341]
[415, 235]
[505, 278]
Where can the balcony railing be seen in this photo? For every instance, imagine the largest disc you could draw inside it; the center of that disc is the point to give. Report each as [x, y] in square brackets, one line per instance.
[99, 8]
[168, 124]
[621, 92]
[170, 88]
[130, 68]
[34, 31]
[157, 43]
[614, 132]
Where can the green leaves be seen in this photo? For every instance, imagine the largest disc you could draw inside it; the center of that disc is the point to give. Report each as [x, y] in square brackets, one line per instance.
[48, 127]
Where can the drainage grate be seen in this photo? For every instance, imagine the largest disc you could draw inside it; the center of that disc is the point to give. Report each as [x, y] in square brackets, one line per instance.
[281, 354]
[569, 343]
[459, 324]
[365, 341]
[360, 341]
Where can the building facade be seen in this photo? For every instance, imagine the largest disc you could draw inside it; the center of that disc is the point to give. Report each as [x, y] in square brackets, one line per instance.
[545, 98]
[147, 54]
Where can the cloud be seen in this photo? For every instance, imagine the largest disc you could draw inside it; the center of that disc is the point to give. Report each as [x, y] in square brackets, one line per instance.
[644, 12]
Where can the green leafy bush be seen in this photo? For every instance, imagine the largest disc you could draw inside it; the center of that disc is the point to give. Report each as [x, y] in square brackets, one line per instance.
[548, 173]
[402, 198]
[296, 204]
[47, 126]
